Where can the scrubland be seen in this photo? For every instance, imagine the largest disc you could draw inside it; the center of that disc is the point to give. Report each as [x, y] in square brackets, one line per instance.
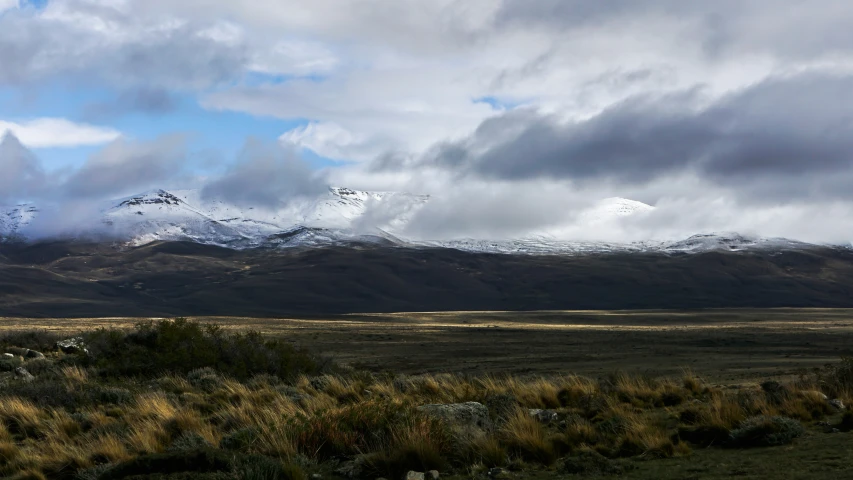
[179, 399]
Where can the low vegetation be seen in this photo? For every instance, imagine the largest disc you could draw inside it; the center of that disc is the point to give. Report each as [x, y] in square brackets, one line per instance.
[176, 399]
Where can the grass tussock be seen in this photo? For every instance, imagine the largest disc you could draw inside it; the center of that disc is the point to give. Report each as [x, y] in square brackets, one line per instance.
[274, 412]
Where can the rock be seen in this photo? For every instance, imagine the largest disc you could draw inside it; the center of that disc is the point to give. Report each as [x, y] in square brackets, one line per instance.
[497, 472]
[31, 354]
[432, 475]
[501, 406]
[352, 469]
[316, 476]
[412, 475]
[8, 355]
[72, 346]
[837, 404]
[543, 416]
[24, 374]
[470, 414]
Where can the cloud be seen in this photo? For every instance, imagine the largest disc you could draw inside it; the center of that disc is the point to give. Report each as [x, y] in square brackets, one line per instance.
[126, 167]
[58, 132]
[23, 176]
[111, 42]
[785, 138]
[151, 101]
[266, 175]
[7, 5]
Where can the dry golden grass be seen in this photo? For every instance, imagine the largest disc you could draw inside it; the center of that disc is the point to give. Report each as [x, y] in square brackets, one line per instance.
[345, 415]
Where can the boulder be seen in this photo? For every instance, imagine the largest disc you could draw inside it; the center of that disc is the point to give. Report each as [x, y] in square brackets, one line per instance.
[466, 415]
[24, 375]
[412, 475]
[72, 346]
[432, 475]
[8, 355]
[32, 354]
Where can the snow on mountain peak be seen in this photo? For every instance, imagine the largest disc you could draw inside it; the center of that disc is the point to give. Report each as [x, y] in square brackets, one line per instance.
[343, 215]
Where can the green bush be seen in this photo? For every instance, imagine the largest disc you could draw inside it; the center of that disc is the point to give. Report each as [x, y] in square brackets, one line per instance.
[182, 346]
[764, 431]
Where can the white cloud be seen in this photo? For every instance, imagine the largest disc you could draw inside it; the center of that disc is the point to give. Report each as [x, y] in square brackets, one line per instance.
[8, 5]
[58, 132]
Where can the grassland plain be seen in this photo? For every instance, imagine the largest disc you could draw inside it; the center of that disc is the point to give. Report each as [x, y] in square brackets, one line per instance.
[190, 399]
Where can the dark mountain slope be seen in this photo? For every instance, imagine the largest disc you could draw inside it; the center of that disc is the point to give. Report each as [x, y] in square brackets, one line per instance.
[177, 278]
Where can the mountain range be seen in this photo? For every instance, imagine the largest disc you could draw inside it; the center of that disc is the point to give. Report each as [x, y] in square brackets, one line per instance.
[340, 216]
[178, 253]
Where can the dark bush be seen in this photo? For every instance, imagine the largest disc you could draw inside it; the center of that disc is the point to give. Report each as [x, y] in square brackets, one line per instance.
[181, 346]
[764, 431]
[836, 379]
[705, 435]
[846, 424]
[240, 440]
[40, 340]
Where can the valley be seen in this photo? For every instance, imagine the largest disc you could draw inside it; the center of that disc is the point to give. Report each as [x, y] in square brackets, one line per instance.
[729, 346]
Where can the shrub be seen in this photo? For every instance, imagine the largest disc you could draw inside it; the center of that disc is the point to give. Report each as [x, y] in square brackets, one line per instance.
[837, 380]
[764, 431]
[705, 435]
[182, 346]
[39, 340]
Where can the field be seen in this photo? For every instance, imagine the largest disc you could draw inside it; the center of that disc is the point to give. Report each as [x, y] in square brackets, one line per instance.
[628, 394]
[723, 345]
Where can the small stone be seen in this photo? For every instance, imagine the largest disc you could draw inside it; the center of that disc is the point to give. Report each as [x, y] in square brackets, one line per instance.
[837, 404]
[432, 475]
[412, 475]
[24, 374]
[497, 472]
[543, 416]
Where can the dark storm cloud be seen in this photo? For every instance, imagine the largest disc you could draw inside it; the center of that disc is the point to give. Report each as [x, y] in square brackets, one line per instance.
[787, 28]
[781, 134]
[266, 175]
[34, 47]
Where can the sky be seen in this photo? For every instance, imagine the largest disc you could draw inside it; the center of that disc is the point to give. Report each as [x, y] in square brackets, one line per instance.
[514, 115]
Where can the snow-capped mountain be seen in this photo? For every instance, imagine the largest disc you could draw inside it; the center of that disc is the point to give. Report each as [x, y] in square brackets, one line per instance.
[14, 219]
[188, 215]
[345, 215]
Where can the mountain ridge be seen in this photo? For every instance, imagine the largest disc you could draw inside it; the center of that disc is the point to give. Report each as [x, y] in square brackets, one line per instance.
[336, 218]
